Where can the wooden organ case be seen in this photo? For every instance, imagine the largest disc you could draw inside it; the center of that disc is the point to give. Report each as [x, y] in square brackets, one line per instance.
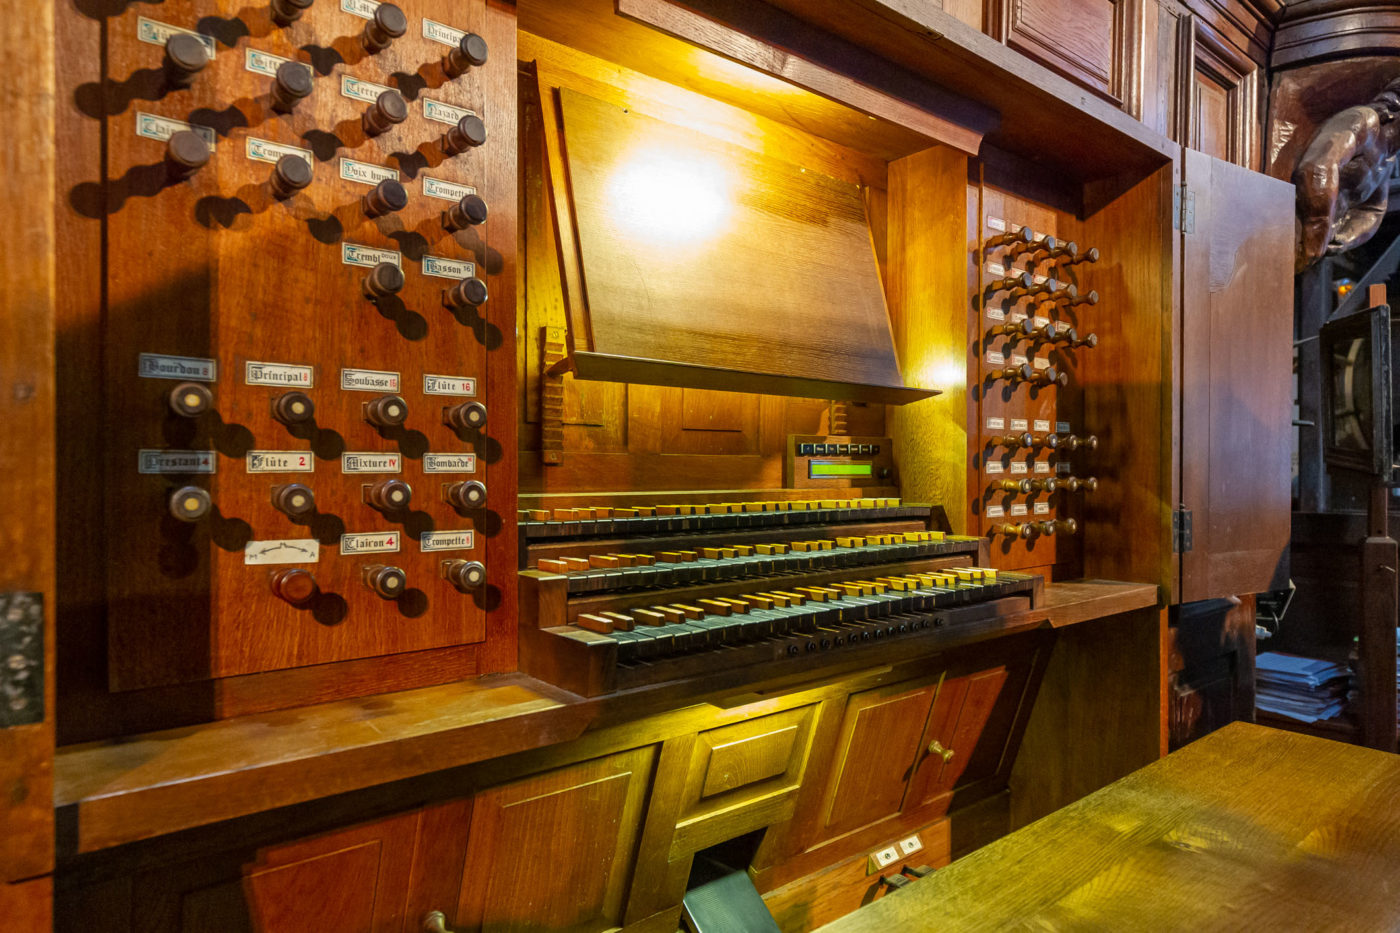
[533, 448]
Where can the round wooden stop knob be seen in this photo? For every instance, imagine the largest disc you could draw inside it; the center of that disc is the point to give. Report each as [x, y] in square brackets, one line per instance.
[190, 399]
[390, 495]
[470, 494]
[469, 53]
[290, 86]
[387, 110]
[387, 411]
[469, 133]
[291, 174]
[190, 503]
[386, 197]
[294, 584]
[294, 499]
[186, 152]
[383, 280]
[385, 581]
[468, 293]
[185, 57]
[465, 574]
[293, 408]
[387, 24]
[468, 212]
[286, 12]
[468, 415]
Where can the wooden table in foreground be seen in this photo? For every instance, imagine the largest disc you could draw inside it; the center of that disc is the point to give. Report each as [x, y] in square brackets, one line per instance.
[1247, 829]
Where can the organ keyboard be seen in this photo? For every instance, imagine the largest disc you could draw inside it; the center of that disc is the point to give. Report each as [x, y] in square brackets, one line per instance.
[620, 597]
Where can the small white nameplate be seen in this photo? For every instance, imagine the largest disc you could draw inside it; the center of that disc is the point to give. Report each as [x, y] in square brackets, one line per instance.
[1041, 507]
[448, 268]
[161, 128]
[1018, 467]
[366, 173]
[997, 224]
[285, 551]
[373, 542]
[1062, 427]
[370, 462]
[265, 63]
[155, 32]
[996, 314]
[278, 374]
[449, 463]
[447, 190]
[361, 8]
[369, 380]
[995, 511]
[1042, 363]
[1018, 424]
[177, 461]
[442, 112]
[366, 91]
[447, 540]
[1042, 466]
[442, 33]
[265, 150]
[1018, 359]
[281, 461]
[996, 424]
[995, 358]
[1042, 426]
[353, 254]
[159, 366]
[996, 269]
[1018, 509]
[448, 385]
[994, 466]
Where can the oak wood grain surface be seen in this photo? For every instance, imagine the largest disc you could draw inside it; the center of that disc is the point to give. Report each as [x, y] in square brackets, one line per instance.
[1247, 828]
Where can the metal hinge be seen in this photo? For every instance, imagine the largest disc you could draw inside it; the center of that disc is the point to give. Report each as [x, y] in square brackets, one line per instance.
[1183, 209]
[1181, 530]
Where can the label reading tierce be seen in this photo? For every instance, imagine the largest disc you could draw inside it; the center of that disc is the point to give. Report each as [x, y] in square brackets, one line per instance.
[364, 91]
[368, 380]
[372, 542]
[366, 173]
[353, 254]
[284, 551]
[446, 540]
[160, 366]
[159, 128]
[449, 463]
[281, 461]
[370, 462]
[155, 32]
[177, 461]
[278, 374]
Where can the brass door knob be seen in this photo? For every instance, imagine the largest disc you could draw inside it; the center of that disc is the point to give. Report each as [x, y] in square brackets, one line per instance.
[936, 748]
[435, 922]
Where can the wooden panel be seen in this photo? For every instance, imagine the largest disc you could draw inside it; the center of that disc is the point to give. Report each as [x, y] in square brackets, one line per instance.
[1237, 379]
[959, 716]
[556, 851]
[1089, 41]
[28, 905]
[1217, 104]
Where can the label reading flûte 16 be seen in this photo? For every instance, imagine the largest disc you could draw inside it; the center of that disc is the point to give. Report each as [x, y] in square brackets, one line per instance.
[448, 385]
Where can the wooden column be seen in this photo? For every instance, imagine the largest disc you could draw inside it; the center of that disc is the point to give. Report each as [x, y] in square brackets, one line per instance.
[1380, 557]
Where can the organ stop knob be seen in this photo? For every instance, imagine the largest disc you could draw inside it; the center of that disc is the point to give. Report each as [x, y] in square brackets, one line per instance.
[190, 399]
[293, 408]
[386, 411]
[387, 110]
[468, 212]
[185, 57]
[389, 495]
[387, 24]
[291, 174]
[385, 581]
[465, 574]
[466, 415]
[384, 198]
[190, 503]
[469, 133]
[469, 292]
[470, 494]
[290, 86]
[1013, 530]
[186, 152]
[469, 53]
[286, 12]
[294, 584]
[293, 499]
[383, 280]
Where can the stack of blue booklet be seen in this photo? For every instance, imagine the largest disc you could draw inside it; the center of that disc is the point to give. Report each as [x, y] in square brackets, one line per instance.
[1305, 689]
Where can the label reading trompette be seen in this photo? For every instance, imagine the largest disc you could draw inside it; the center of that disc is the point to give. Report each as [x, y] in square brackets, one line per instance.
[265, 63]
[160, 366]
[370, 462]
[366, 173]
[448, 385]
[365, 91]
[281, 461]
[371, 542]
[438, 32]
[448, 268]
[447, 540]
[353, 254]
[446, 190]
[284, 551]
[278, 374]
[155, 32]
[361, 8]
[265, 150]
[449, 463]
[368, 380]
[159, 128]
[441, 112]
[177, 461]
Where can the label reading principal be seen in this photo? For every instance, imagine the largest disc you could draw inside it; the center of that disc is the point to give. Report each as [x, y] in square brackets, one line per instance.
[278, 374]
[996, 424]
[369, 380]
[361, 8]
[284, 551]
[438, 32]
[364, 91]
[177, 461]
[155, 32]
[371, 542]
[446, 540]
[442, 112]
[353, 254]
[160, 366]
[448, 385]
[448, 268]
[449, 463]
[446, 190]
[265, 150]
[370, 462]
[281, 461]
[366, 173]
[159, 128]
[265, 63]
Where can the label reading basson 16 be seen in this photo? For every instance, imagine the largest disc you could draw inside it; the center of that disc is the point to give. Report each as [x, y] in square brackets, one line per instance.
[448, 268]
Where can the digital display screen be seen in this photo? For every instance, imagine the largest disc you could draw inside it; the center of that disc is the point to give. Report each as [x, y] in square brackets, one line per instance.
[832, 469]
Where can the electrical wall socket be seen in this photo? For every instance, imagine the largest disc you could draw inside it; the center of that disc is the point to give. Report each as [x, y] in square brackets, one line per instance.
[910, 845]
[882, 859]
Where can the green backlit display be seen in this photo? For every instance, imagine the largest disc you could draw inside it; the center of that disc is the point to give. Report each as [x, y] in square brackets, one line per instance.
[827, 469]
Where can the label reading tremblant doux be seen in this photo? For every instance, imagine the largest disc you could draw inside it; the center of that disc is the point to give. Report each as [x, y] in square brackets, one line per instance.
[370, 462]
[449, 463]
[368, 380]
[177, 461]
[446, 541]
[353, 254]
[371, 542]
[185, 368]
[278, 374]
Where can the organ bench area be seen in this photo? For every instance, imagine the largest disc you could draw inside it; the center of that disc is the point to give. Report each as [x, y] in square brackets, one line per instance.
[512, 458]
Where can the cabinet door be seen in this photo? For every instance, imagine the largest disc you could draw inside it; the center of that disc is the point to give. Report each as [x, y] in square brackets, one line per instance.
[960, 714]
[555, 851]
[1237, 383]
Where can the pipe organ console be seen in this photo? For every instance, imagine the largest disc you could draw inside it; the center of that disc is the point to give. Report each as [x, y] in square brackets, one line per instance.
[511, 453]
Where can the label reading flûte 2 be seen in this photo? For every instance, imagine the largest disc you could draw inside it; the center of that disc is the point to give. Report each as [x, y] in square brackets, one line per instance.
[281, 461]
[278, 374]
[448, 268]
[177, 461]
[439, 32]
[284, 551]
[370, 462]
[361, 8]
[154, 32]
[159, 128]
[160, 366]
[353, 254]
[446, 190]
[448, 385]
[446, 541]
[449, 463]
[366, 173]
[364, 91]
[368, 380]
[442, 112]
[370, 542]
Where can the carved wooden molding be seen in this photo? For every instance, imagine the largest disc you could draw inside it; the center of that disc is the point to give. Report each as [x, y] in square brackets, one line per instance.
[1205, 53]
[1320, 30]
[1100, 52]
